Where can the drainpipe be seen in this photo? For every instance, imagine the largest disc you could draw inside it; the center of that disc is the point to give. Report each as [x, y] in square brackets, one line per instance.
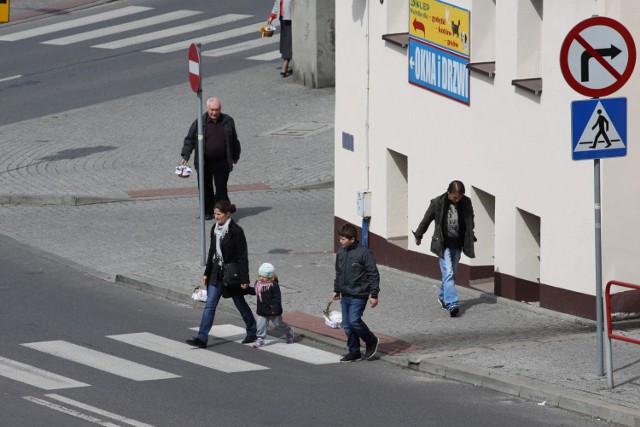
[366, 217]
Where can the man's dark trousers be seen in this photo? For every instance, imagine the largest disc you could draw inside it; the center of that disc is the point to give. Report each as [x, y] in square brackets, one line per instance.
[216, 172]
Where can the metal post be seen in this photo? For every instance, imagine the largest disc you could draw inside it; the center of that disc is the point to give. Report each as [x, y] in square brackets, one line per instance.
[203, 239]
[598, 227]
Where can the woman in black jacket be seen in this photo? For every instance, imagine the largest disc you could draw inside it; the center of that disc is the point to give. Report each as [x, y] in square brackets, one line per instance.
[228, 245]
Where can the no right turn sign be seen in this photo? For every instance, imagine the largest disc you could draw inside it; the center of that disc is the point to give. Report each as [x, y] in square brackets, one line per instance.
[598, 56]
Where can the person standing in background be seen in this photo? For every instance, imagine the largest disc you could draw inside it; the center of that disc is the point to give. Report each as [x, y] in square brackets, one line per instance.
[282, 9]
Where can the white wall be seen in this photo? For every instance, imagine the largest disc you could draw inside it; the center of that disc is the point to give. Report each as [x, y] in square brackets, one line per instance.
[509, 143]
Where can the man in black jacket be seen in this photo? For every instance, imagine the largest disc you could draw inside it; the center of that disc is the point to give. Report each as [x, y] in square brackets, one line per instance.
[221, 152]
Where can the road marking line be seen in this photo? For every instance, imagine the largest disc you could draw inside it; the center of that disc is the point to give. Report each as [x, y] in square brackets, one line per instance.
[156, 35]
[69, 411]
[74, 23]
[239, 47]
[102, 361]
[11, 78]
[187, 353]
[274, 345]
[36, 377]
[269, 56]
[115, 29]
[97, 410]
[215, 37]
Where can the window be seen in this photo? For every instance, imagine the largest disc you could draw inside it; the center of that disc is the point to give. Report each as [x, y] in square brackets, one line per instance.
[529, 50]
[397, 22]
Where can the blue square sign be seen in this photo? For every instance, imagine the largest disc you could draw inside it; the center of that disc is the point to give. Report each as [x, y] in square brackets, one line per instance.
[599, 128]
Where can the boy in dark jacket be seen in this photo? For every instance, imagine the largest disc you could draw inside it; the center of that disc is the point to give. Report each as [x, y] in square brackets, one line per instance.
[357, 280]
[269, 304]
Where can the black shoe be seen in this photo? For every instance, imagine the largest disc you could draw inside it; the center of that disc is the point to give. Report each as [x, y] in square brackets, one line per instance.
[371, 349]
[442, 304]
[208, 217]
[453, 311]
[196, 342]
[249, 339]
[351, 357]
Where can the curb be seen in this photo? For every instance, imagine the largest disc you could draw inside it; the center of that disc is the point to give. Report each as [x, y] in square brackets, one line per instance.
[514, 387]
[42, 200]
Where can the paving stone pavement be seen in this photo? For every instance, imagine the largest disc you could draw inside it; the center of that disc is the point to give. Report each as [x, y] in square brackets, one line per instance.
[65, 191]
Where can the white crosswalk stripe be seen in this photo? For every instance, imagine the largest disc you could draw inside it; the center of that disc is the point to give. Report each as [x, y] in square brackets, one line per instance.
[115, 29]
[268, 56]
[185, 352]
[102, 361]
[156, 37]
[239, 47]
[74, 23]
[296, 351]
[36, 377]
[169, 32]
[211, 38]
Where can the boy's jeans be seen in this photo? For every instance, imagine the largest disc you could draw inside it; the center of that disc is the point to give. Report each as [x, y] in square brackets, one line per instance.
[354, 327]
[214, 292]
[448, 267]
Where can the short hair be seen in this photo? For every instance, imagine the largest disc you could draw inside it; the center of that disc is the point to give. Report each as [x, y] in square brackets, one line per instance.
[212, 100]
[225, 206]
[348, 231]
[456, 187]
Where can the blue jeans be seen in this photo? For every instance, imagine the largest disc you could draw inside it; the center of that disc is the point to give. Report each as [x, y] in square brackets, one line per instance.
[448, 267]
[354, 327]
[214, 292]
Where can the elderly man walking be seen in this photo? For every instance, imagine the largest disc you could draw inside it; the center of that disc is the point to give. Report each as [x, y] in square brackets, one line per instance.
[221, 152]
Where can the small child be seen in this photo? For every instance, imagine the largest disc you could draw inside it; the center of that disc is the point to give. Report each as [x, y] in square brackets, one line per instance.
[269, 304]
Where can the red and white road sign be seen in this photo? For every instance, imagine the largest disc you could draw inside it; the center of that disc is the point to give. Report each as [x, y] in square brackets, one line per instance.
[598, 56]
[194, 67]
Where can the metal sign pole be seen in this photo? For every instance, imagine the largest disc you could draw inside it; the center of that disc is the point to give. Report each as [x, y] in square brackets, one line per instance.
[598, 228]
[203, 241]
[203, 238]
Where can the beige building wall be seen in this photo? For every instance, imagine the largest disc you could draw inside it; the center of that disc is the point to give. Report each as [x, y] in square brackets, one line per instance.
[512, 148]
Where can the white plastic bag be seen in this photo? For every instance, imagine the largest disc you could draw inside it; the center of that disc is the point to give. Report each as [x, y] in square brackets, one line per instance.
[199, 294]
[332, 319]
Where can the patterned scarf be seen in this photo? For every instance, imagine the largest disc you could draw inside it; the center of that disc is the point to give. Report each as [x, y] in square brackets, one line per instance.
[263, 287]
[220, 231]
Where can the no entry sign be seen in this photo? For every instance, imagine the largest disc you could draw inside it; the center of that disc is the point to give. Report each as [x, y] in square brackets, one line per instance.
[194, 67]
[597, 56]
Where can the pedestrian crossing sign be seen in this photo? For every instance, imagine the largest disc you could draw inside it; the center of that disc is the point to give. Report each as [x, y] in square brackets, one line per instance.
[599, 128]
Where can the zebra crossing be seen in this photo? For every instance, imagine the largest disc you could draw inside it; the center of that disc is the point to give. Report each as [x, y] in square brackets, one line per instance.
[135, 371]
[213, 34]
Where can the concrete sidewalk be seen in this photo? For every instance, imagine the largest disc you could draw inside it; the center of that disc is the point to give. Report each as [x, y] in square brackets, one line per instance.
[111, 205]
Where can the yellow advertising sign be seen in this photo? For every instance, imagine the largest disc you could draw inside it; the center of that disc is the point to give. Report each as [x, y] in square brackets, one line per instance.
[441, 24]
[4, 10]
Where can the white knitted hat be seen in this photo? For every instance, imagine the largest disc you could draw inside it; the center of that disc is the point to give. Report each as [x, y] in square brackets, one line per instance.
[267, 270]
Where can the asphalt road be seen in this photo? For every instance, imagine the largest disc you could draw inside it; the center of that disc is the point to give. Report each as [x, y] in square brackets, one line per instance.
[46, 78]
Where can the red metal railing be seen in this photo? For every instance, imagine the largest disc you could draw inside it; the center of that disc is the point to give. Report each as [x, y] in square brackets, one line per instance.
[608, 308]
